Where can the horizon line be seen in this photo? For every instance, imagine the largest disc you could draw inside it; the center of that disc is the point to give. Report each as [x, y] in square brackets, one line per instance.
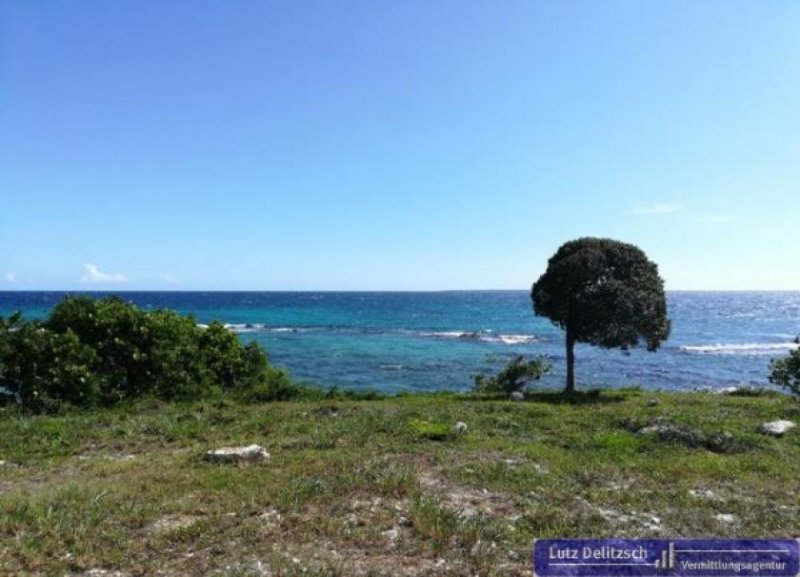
[446, 290]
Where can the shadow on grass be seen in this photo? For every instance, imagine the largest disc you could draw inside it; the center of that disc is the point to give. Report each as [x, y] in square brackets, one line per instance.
[591, 397]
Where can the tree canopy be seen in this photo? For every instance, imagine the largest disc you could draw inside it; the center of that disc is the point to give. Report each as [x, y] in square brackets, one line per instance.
[602, 292]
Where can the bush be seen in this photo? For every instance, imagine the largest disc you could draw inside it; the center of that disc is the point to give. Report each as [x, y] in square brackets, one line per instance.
[45, 369]
[514, 376]
[271, 385]
[103, 351]
[786, 371]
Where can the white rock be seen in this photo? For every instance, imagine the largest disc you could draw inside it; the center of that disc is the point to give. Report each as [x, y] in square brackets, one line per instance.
[726, 518]
[777, 428]
[460, 428]
[352, 520]
[541, 469]
[174, 522]
[517, 396]
[392, 535]
[704, 494]
[249, 453]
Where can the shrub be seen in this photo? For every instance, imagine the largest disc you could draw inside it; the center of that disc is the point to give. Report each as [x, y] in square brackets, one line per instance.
[271, 385]
[786, 371]
[45, 369]
[103, 351]
[513, 377]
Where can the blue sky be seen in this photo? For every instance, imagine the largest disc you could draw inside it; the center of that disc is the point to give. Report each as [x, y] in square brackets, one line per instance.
[406, 145]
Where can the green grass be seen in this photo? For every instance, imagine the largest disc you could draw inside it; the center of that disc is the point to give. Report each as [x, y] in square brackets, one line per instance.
[382, 486]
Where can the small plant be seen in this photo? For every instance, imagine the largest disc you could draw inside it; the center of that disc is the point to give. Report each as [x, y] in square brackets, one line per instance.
[514, 376]
[432, 431]
[434, 522]
[786, 371]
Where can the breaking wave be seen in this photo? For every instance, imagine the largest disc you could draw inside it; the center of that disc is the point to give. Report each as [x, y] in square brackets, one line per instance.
[481, 336]
[743, 349]
[261, 328]
[475, 336]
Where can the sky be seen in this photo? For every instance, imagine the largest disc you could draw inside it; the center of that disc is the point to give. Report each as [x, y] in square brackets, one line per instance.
[414, 145]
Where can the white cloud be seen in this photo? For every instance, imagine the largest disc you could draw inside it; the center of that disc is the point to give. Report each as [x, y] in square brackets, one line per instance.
[658, 208]
[10, 277]
[717, 218]
[93, 274]
[169, 279]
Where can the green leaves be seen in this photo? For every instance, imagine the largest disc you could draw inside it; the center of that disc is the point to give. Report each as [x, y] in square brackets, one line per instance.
[514, 376]
[786, 371]
[103, 351]
[605, 293]
[46, 368]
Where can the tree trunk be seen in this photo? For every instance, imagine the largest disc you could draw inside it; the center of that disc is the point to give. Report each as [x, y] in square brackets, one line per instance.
[570, 388]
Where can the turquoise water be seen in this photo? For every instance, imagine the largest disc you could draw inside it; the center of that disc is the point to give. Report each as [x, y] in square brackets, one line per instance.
[430, 341]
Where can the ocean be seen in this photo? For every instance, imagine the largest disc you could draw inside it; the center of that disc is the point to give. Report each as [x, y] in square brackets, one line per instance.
[406, 341]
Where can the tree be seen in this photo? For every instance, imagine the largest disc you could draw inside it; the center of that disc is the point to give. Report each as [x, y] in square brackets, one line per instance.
[602, 292]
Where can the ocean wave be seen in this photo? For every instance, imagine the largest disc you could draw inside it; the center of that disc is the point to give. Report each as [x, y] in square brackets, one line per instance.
[262, 328]
[746, 349]
[483, 336]
[244, 327]
[391, 367]
[445, 334]
[516, 339]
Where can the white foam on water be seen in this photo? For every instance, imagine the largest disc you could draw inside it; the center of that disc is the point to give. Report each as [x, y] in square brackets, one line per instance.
[483, 336]
[486, 336]
[751, 349]
[516, 339]
[244, 327]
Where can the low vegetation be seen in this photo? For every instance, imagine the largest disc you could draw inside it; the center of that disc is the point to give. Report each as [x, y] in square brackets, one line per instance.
[514, 377]
[383, 487]
[101, 352]
[786, 371]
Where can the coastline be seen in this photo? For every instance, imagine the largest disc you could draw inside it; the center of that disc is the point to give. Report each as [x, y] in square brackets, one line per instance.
[395, 341]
